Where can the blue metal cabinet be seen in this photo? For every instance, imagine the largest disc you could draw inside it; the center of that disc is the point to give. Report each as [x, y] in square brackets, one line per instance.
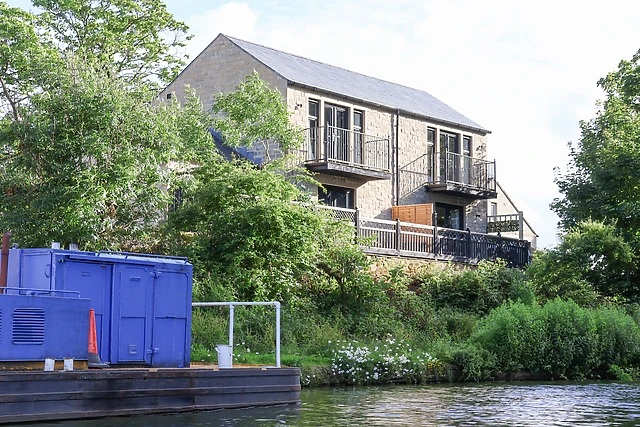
[36, 326]
[133, 291]
[93, 281]
[142, 302]
[172, 318]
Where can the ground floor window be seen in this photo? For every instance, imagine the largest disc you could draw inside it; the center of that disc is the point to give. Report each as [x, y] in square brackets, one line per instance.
[339, 197]
[450, 216]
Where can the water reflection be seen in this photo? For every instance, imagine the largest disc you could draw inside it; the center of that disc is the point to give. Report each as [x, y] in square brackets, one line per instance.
[503, 404]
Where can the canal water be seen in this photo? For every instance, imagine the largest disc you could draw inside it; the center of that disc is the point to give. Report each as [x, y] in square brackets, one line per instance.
[492, 404]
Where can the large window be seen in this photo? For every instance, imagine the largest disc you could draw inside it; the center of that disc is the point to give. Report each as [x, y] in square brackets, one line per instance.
[449, 164]
[466, 160]
[336, 132]
[338, 197]
[431, 141]
[314, 110]
[358, 137]
[450, 216]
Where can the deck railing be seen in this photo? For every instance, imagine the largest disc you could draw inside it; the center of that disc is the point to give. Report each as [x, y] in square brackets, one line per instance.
[333, 144]
[383, 237]
[448, 168]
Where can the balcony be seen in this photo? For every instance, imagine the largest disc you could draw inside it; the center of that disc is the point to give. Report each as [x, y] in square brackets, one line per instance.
[337, 151]
[450, 173]
[395, 238]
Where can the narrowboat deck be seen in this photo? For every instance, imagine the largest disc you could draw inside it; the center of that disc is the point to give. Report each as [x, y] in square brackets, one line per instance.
[28, 396]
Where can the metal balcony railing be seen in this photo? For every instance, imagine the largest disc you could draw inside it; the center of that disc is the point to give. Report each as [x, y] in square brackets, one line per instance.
[336, 145]
[395, 238]
[448, 168]
[469, 171]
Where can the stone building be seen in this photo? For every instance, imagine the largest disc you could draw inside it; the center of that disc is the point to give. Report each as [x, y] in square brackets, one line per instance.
[373, 144]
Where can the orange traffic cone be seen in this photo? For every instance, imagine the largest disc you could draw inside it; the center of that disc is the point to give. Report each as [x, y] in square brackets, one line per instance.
[94, 357]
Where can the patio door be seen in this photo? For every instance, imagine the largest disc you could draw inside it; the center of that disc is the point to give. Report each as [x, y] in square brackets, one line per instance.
[449, 149]
[336, 133]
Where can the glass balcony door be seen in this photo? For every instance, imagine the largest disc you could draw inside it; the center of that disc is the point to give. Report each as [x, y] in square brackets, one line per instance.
[449, 149]
[336, 132]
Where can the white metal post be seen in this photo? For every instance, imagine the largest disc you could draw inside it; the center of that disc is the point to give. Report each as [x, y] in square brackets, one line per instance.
[231, 326]
[277, 304]
[231, 305]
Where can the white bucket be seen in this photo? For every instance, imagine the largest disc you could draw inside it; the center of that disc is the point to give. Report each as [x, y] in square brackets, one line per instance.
[225, 355]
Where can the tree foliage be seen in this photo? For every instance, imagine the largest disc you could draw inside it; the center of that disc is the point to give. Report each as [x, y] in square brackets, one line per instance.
[90, 160]
[137, 40]
[88, 153]
[592, 261]
[255, 114]
[603, 179]
[27, 62]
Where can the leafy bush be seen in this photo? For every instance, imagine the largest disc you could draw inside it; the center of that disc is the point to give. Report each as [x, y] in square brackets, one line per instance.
[477, 290]
[591, 261]
[476, 363]
[560, 338]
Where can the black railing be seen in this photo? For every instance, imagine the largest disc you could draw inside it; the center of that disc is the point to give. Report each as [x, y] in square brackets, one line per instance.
[337, 145]
[448, 168]
[424, 241]
[453, 168]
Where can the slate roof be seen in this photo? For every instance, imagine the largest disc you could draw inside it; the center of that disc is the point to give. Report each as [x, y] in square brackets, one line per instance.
[327, 78]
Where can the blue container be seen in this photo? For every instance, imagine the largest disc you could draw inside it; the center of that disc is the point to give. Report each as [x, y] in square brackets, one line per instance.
[142, 302]
[37, 324]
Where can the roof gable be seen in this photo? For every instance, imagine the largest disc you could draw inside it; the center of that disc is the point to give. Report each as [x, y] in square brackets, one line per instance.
[328, 78]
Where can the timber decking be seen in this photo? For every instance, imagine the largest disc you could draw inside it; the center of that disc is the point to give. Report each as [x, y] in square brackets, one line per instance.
[59, 395]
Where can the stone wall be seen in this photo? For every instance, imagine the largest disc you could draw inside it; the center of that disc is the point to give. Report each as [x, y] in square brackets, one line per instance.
[218, 69]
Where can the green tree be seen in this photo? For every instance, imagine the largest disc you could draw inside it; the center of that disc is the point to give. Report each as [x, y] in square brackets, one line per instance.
[603, 179]
[27, 60]
[91, 159]
[137, 40]
[245, 232]
[255, 113]
[592, 260]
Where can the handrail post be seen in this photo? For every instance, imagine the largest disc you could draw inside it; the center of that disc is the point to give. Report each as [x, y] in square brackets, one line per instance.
[468, 243]
[398, 235]
[231, 316]
[520, 225]
[356, 221]
[436, 243]
[277, 304]
[326, 143]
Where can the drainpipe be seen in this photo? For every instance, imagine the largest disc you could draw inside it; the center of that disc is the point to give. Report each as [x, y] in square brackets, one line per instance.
[397, 157]
[4, 263]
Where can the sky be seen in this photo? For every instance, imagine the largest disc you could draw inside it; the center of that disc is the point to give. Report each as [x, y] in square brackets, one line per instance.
[527, 71]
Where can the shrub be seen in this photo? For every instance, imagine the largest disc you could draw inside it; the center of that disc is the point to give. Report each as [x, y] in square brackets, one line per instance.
[475, 362]
[477, 290]
[560, 338]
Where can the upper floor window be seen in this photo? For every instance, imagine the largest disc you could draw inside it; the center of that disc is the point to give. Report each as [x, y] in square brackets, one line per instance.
[466, 145]
[431, 140]
[314, 109]
[449, 142]
[494, 209]
[358, 121]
